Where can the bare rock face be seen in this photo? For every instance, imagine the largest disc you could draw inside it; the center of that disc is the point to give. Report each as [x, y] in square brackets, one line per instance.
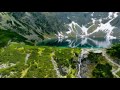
[34, 24]
[38, 26]
[116, 33]
[63, 70]
[116, 22]
[99, 34]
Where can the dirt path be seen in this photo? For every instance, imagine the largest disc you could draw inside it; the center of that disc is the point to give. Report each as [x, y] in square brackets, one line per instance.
[55, 66]
[113, 63]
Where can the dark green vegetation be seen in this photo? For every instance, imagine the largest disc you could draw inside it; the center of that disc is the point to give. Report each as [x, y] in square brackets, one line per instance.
[118, 73]
[101, 69]
[67, 60]
[114, 51]
[95, 58]
[6, 36]
[38, 25]
[24, 61]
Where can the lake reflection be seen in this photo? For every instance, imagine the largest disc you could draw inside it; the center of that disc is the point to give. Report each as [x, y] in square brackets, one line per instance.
[80, 42]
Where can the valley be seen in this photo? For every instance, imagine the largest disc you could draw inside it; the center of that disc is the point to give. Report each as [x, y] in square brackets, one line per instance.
[41, 62]
[23, 61]
[59, 45]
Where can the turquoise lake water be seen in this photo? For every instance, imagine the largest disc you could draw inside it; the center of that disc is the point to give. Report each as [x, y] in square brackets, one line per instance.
[82, 43]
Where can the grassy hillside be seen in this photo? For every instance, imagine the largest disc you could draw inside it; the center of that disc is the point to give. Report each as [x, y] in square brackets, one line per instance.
[8, 35]
[24, 61]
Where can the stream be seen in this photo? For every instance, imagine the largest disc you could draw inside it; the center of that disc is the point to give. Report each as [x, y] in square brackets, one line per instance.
[79, 65]
[84, 53]
[27, 57]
